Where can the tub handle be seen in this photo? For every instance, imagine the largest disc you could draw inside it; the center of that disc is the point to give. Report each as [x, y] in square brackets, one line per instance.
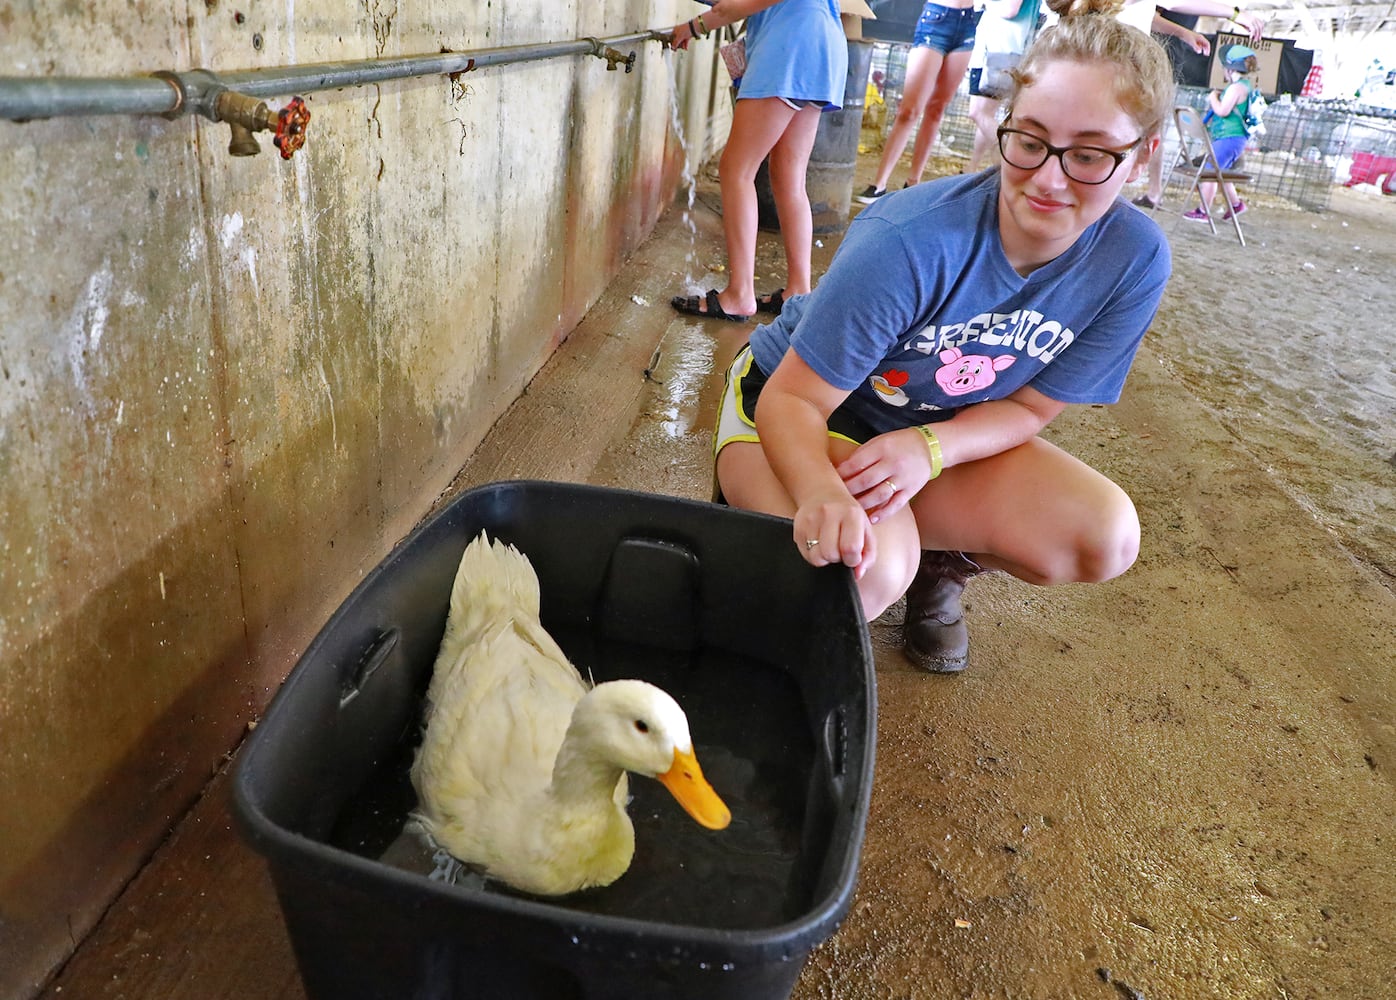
[373, 657]
[836, 742]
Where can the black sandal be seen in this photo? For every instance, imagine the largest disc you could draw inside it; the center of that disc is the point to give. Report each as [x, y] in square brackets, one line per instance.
[772, 303]
[692, 305]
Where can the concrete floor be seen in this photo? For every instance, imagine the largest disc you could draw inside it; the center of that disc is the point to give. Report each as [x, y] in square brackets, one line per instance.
[1172, 785]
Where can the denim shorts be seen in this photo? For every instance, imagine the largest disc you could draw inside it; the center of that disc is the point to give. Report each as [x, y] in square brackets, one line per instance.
[946, 29]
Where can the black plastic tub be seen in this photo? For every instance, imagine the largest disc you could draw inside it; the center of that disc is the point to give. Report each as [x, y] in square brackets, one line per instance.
[770, 659]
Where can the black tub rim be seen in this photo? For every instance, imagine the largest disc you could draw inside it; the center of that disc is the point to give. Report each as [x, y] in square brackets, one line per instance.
[662, 941]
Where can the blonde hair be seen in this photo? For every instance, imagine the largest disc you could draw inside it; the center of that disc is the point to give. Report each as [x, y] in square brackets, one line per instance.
[1089, 33]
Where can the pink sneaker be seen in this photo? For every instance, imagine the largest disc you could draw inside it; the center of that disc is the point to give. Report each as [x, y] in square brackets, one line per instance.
[1237, 209]
[1196, 215]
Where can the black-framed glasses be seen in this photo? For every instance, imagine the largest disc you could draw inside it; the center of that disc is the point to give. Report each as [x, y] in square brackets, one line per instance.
[1083, 164]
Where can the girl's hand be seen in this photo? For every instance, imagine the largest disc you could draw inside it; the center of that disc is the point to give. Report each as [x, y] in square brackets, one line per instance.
[1198, 43]
[885, 473]
[681, 36]
[834, 529]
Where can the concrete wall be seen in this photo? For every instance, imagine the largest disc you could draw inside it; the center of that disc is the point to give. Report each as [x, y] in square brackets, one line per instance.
[229, 385]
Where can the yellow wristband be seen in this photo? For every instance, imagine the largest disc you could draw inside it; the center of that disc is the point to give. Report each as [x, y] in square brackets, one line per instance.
[704, 25]
[1235, 12]
[933, 446]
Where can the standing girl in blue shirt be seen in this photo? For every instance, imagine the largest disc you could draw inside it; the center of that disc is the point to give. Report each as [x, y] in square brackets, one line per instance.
[894, 413]
[796, 67]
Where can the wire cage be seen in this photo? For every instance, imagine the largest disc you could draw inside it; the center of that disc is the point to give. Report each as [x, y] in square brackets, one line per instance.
[1309, 146]
[956, 138]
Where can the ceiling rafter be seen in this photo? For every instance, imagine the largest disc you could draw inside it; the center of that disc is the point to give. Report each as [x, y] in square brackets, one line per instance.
[1322, 17]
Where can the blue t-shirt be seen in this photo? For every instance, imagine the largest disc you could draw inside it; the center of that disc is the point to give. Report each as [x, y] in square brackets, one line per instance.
[920, 313]
[796, 49]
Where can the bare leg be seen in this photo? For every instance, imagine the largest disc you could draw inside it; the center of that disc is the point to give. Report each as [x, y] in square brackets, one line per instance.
[952, 71]
[757, 125]
[748, 482]
[789, 159]
[1041, 514]
[1208, 191]
[922, 67]
[1155, 189]
[983, 111]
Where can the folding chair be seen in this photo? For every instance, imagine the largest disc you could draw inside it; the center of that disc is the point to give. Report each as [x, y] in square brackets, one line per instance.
[1196, 148]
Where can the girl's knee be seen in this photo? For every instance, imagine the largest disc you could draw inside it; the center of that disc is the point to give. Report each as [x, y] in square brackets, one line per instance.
[1112, 546]
[908, 114]
[888, 579]
[1094, 550]
[736, 169]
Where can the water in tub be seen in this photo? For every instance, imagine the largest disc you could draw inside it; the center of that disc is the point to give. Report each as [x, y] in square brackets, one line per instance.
[749, 730]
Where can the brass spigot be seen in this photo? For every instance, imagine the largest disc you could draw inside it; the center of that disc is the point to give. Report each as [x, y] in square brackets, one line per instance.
[243, 142]
[614, 58]
[246, 115]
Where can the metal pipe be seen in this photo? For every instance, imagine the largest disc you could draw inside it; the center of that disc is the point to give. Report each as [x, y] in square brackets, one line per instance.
[196, 91]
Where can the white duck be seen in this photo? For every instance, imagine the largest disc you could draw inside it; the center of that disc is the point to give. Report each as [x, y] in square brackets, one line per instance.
[522, 767]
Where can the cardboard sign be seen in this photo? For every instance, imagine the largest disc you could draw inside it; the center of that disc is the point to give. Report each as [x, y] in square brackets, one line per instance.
[857, 8]
[1267, 57]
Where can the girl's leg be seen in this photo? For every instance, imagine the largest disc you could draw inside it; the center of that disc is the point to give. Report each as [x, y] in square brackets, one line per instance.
[789, 158]
[748, 482]
[1208, 191]
[947, 81]
[922, 67]
[983, 111]
[1039, 513]
[1154, 192]
[757, 124]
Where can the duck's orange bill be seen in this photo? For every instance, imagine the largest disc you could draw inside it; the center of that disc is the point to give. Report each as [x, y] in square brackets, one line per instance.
[686, 783]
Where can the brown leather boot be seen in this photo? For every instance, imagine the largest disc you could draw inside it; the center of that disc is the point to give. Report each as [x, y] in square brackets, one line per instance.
[935, 635]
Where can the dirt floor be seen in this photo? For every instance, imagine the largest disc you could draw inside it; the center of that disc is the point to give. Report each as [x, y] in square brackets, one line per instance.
[1177, 784]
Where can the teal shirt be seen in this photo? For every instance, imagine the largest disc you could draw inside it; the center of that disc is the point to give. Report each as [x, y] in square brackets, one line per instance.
[1233, 124]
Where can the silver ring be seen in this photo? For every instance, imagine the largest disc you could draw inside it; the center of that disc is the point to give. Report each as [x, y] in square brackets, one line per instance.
[893, 485]
[811, 542]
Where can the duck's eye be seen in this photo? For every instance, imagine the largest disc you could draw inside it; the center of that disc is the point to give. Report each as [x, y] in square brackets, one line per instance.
[642, 726]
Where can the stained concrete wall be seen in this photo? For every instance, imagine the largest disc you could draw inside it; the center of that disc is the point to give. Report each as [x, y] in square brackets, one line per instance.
[229, 385]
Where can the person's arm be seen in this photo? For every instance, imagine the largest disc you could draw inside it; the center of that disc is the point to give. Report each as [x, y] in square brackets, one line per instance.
[1224, 102]
[719, 15]
[1253, 23]
[975, 432]
[792, 421]
[1163, 26]
[839, 504]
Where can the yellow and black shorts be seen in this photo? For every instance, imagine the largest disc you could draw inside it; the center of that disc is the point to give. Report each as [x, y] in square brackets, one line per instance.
[736, 418]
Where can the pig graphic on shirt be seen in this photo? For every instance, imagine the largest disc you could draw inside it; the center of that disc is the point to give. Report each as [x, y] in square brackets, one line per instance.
[964, 373]
[961, 373]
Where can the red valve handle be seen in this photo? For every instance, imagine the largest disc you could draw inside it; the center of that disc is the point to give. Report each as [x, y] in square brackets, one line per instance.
[291, 122]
